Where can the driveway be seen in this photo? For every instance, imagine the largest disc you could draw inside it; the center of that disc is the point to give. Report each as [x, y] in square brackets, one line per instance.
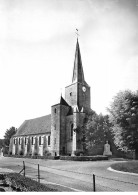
[74, 175]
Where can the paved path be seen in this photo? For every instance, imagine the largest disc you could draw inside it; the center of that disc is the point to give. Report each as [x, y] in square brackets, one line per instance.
[75, 176]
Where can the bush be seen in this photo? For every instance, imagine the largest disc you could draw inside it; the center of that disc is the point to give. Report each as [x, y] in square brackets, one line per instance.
[21, 152]
[35, 153]
[10, 153]
[79, 153]
[25, 184]
[45, 152]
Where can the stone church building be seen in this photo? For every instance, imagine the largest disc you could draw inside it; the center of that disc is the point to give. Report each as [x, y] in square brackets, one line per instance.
[55, 134]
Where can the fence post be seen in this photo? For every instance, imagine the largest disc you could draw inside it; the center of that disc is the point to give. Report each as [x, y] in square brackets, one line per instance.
[38, 174]
[94, 189]
[24, 168]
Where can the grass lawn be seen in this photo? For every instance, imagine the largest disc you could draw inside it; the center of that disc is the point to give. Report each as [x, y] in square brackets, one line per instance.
[131, 166]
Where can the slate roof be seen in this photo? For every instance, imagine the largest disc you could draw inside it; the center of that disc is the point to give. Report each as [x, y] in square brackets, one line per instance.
[39, 125]
[63, 102]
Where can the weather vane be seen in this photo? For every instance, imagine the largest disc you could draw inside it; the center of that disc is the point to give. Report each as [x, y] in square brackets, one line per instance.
[77, 33]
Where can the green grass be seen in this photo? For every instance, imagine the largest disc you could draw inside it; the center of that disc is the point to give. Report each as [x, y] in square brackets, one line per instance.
[130, 166]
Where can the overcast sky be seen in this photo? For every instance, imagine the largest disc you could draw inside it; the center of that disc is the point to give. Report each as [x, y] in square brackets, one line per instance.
[37, 48]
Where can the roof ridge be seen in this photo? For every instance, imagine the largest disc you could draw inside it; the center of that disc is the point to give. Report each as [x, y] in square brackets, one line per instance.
[38, 117]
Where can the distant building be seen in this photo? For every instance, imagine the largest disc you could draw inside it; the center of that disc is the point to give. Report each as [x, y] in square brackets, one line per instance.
[55, 133]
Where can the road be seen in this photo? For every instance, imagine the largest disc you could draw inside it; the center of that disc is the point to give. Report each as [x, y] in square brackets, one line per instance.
[74, 175]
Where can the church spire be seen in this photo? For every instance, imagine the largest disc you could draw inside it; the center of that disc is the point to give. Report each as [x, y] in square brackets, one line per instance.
[78, 75]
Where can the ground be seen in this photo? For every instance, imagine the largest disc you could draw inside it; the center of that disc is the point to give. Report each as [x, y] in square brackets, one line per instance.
[74, 176]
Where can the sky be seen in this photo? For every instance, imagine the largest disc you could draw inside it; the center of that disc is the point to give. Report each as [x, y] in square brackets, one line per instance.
[37, 50]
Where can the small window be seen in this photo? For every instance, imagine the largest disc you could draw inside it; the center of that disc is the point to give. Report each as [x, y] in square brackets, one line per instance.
[55, 126]
[70, 93]
[71, 130]
[49, 140]
[55, 110]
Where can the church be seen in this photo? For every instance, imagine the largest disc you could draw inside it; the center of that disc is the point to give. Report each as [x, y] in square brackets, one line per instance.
[55, 134]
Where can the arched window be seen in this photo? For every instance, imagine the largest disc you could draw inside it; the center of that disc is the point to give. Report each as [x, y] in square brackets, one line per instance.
[19, 141]
[55, 110]
[14, 140]
[71, 130]
[32, 141]
[49, 140]
[25, 140]
[39, 140]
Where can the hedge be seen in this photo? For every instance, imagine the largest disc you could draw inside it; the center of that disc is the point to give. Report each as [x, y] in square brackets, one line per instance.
[24, 184]
[34, 157]
[74, 158]
[84, 158]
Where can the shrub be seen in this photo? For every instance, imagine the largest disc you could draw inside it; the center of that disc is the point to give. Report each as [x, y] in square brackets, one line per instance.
[84, 158]
[45, 152]
[79, 153]
[21, 152]
[35, 153]
[48, 154]
[10, 153]
[25, 184]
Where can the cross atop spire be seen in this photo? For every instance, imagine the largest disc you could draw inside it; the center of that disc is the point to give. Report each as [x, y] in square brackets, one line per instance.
[78, 75]
[77, 33]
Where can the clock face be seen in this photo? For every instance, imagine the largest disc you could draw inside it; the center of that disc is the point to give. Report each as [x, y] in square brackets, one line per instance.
[84, 88]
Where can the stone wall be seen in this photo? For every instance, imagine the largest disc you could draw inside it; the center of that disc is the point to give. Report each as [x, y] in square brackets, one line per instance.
[27, 148]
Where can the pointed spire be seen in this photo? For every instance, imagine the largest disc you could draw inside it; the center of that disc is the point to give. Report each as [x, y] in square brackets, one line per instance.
[78, 75]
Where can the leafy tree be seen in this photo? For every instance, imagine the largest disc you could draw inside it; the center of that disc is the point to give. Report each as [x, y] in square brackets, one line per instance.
[9, 133]
[94, 131]
[1, 143]
[124, 117]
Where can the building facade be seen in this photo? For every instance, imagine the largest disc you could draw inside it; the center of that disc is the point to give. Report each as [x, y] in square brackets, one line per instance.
[56, 134]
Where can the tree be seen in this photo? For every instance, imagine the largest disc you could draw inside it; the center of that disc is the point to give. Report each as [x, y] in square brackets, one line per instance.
[94, 131]
[1, 143]
[9, 133]
[124, 117]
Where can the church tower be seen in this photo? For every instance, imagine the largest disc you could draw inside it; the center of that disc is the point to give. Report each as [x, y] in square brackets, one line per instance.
[68, 115]
[78, 93]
